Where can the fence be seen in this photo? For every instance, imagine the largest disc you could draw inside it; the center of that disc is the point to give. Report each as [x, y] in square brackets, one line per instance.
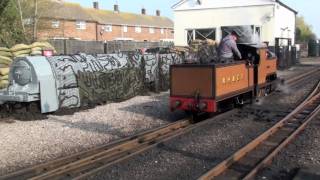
[99, 47]
[287, 56]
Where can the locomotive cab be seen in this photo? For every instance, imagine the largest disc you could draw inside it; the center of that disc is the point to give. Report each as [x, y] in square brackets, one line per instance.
[264, 62]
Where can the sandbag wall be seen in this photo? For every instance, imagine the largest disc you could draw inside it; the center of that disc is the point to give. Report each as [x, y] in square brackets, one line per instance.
[5, 61]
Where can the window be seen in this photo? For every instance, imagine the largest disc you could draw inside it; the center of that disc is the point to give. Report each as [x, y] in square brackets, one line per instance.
[125, 28]
[138, 29]
[28, 21]
[108, 28]
[151, 30]
[201, 34]
[162, 31]
[55, 24]
[81, 25]
[248, 34]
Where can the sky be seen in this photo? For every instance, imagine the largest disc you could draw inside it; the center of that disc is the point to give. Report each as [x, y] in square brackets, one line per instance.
[309, 9]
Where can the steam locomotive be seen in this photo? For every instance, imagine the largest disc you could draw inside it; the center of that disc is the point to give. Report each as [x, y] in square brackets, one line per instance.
[209, 88]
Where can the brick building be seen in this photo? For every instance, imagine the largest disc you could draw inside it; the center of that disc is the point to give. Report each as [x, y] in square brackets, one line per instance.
[71, 21]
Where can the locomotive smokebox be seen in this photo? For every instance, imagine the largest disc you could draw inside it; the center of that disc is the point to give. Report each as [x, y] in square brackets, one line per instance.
[27, 78]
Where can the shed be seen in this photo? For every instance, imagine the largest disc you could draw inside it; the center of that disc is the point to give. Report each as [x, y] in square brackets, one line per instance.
[258, 21]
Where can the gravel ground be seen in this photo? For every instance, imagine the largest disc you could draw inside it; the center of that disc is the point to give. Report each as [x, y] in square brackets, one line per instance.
[38, 138]
[191, 155]
[28, 142]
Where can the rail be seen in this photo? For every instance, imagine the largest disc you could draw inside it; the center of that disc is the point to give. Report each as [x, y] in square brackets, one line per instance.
[246, 162]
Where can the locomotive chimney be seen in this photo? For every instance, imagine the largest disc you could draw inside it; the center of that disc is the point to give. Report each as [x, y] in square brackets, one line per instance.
[116, 8]
[143, 11]
[96, 5]
[158, 13]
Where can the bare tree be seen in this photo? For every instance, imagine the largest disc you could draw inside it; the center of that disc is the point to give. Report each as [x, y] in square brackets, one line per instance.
[31, 12]
[35, 20]
[21, 16]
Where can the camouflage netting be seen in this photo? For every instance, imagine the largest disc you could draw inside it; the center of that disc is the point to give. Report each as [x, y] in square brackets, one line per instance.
[165, 60]
[115, 85]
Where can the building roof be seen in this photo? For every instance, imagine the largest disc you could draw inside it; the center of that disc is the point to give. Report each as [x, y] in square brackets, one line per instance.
[286, 6]
[207, 4]
[110, 17]
[68, 11]
[73, 11]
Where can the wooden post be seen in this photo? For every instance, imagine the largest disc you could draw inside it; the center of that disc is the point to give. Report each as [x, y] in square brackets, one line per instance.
[157, 74]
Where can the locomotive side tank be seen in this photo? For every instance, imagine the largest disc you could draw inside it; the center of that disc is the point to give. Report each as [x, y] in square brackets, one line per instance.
[209, 87]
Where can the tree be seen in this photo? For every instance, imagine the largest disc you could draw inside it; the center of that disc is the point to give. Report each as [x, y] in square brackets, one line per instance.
[304, 31]
[32, 13]
[10, 26]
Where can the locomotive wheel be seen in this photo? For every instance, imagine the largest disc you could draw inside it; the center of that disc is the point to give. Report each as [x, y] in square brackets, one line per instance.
[194, 118]
[19, 108]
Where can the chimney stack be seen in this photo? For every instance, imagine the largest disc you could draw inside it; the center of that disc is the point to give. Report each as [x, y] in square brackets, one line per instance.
[158, 13]
[116, 8]
[96, 5]
[143, 11]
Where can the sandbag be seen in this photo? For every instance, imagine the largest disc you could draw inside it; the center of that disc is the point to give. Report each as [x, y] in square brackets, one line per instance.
[6, 77]
[5, 53]
[18, 53]
[4, 71]
[4, 84]
[20, 47]
[22, 55]
[36, 49]
[36, 53]
[5, 60]
[42, 45]
[5, 49]
[4, 65]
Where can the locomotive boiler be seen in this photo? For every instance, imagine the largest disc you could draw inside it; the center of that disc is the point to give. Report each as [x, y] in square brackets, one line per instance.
[209, 88]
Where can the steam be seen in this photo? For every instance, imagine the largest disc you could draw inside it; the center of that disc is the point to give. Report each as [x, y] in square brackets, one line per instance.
[284, 88]
[248, 34]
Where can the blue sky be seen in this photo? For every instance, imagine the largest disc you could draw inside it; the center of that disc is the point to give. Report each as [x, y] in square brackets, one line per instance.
[307, 8]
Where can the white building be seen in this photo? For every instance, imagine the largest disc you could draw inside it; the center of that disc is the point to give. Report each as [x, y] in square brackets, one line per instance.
[265, 20]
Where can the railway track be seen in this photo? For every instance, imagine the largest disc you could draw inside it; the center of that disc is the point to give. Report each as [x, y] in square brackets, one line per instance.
[249, 160]
[301, 77]
[84, 164]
